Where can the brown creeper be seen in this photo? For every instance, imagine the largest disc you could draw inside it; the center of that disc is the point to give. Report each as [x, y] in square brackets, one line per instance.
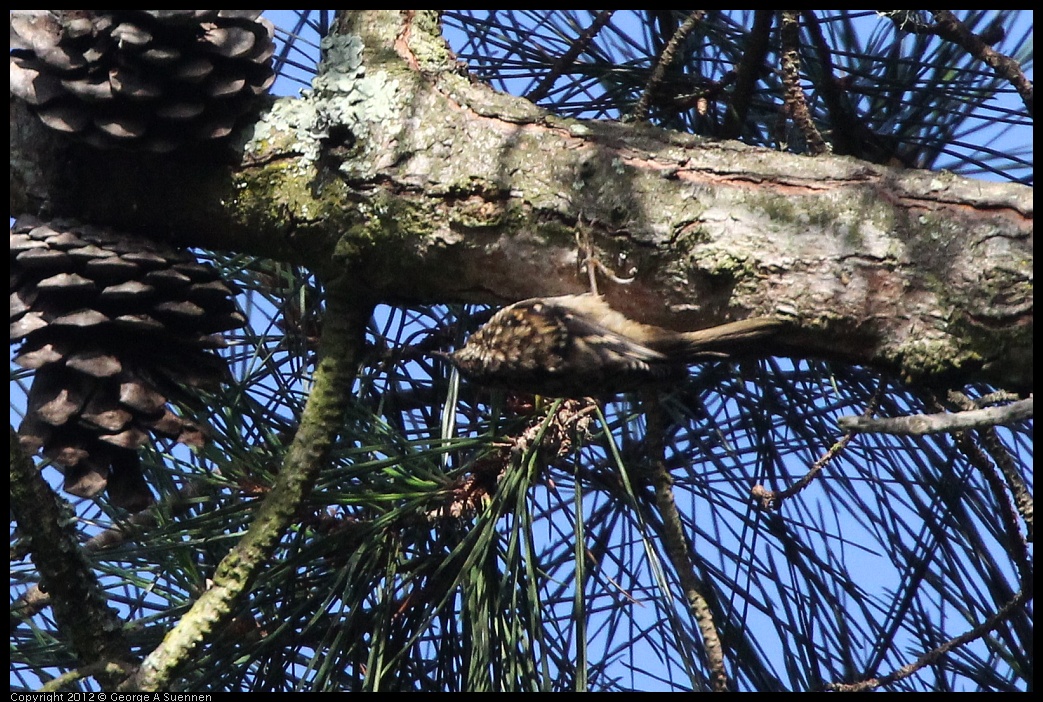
[576, 345]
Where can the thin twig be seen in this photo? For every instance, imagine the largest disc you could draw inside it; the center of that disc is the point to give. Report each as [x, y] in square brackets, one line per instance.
[1012, 480]
[1008, 517]
[1015, 481]
[768, 499]
[35, 599]
[950, 28]
[569, 57]
[936, 653]
[848, 134]
[664, 61]
[678, 550]
[748, 72]
[796, 103]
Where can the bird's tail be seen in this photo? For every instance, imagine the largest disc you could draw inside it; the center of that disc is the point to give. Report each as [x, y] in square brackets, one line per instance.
[725, 340]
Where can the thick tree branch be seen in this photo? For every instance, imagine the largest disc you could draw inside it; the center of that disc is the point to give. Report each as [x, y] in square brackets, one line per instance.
[341, 345]
[438, 188]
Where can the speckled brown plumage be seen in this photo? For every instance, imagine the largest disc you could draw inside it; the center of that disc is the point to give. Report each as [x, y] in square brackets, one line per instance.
[576, 345]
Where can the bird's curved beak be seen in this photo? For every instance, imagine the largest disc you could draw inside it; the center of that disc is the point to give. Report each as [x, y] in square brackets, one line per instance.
[444, 355]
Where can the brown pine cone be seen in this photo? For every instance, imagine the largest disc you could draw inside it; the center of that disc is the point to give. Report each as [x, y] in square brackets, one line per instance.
[114, 326]
[141, 79]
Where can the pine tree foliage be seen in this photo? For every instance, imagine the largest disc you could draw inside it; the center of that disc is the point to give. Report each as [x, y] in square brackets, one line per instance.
[461, 539]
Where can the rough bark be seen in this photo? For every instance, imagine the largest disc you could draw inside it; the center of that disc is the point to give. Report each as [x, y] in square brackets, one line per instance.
[429, 187]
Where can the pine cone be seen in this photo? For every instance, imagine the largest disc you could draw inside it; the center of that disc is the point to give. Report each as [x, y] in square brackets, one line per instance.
[140, 79]
[114, 326]
[578, 346]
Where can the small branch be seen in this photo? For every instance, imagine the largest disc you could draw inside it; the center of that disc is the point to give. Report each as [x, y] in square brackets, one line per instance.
[831, 94]
[79, 603]
[768, 499]
[942, 422]
[848, 135]
[1016, 544]
[796, 102]
[1014, 480]
[748, 72]
[665, 60]
[952, 29]
[678, 550]
[1015, 483]
[949, 27]
[569, 57]
[934, 654]
[114, 670]
[35, 599]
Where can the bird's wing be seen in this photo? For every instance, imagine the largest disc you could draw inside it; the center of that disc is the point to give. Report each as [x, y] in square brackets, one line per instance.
[589, 334]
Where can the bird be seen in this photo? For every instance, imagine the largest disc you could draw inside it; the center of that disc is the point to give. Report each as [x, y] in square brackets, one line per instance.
[578, 346]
